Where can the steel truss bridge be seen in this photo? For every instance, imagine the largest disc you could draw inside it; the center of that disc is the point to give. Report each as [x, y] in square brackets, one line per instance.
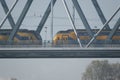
[79, 52]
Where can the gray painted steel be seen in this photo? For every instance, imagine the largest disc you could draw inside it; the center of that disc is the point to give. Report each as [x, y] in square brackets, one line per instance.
[6, 16]
[83, 18]
[73, 14]
[72, 22]
[6, 9]
[100, 13]
[94, 37]
[60, 53]
[117, 25]
[45, 17]
[20, 20]
[52, 20]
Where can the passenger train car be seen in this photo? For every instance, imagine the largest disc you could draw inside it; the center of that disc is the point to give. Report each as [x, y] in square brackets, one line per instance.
[23, 37]
[68, 37]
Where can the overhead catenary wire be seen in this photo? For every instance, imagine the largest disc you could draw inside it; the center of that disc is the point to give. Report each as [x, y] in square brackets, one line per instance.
[60, 18]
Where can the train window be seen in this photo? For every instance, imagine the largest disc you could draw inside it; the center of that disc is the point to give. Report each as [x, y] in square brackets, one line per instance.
[65, 37]
[58, 38]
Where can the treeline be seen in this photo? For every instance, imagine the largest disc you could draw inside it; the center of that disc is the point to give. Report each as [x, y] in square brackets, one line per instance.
[102, 70]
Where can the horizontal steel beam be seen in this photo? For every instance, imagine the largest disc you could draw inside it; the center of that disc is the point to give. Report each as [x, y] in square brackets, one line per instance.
[60, 53]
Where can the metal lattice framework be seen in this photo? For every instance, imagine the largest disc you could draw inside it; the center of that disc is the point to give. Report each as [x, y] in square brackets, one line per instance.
[16, 26]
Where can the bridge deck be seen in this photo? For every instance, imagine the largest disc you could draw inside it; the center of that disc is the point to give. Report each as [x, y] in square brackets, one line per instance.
[59, 52]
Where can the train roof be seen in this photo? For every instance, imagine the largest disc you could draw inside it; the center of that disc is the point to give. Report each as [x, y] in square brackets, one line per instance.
[9, 30]
[83, 31]
[62, 32]
[71, 30]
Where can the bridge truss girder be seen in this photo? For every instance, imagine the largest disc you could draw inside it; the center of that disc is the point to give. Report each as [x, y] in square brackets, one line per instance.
[20, 20]
[46, 14]
[82, 16]
[59, 53]
[79, 10]
[115, 28]
[100, 13]
[94, 37]
[72, 22]
[6, 9]
[8, 13]
[45, 17]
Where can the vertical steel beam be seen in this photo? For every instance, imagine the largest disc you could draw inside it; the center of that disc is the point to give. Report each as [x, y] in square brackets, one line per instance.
[45, 17]
[100, 13]
[20, 20]
[83, 18]
[117, 25]
[4, 19]
[52, 20]
[72, 22]
[103, 27]
[6, 9]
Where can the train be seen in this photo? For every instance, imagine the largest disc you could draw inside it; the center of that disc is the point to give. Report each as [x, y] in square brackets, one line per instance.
[68, 37]
[23, 37]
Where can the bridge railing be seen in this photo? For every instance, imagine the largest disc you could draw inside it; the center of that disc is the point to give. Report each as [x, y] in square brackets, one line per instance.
[61, 43]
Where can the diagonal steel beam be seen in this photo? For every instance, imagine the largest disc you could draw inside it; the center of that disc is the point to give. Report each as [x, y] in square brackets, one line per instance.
[100, 13]
[20, 20]
[103, 27]
[6, 9]
[82, 16]
[117, 25]
[4, 19]
[72, 22]
[45, 17]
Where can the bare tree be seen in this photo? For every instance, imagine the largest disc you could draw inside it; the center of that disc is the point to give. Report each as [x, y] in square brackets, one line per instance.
[102, 70]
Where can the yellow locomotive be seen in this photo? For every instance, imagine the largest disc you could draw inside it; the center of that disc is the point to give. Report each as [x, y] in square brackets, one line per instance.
[23, 37]
[69, 37]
